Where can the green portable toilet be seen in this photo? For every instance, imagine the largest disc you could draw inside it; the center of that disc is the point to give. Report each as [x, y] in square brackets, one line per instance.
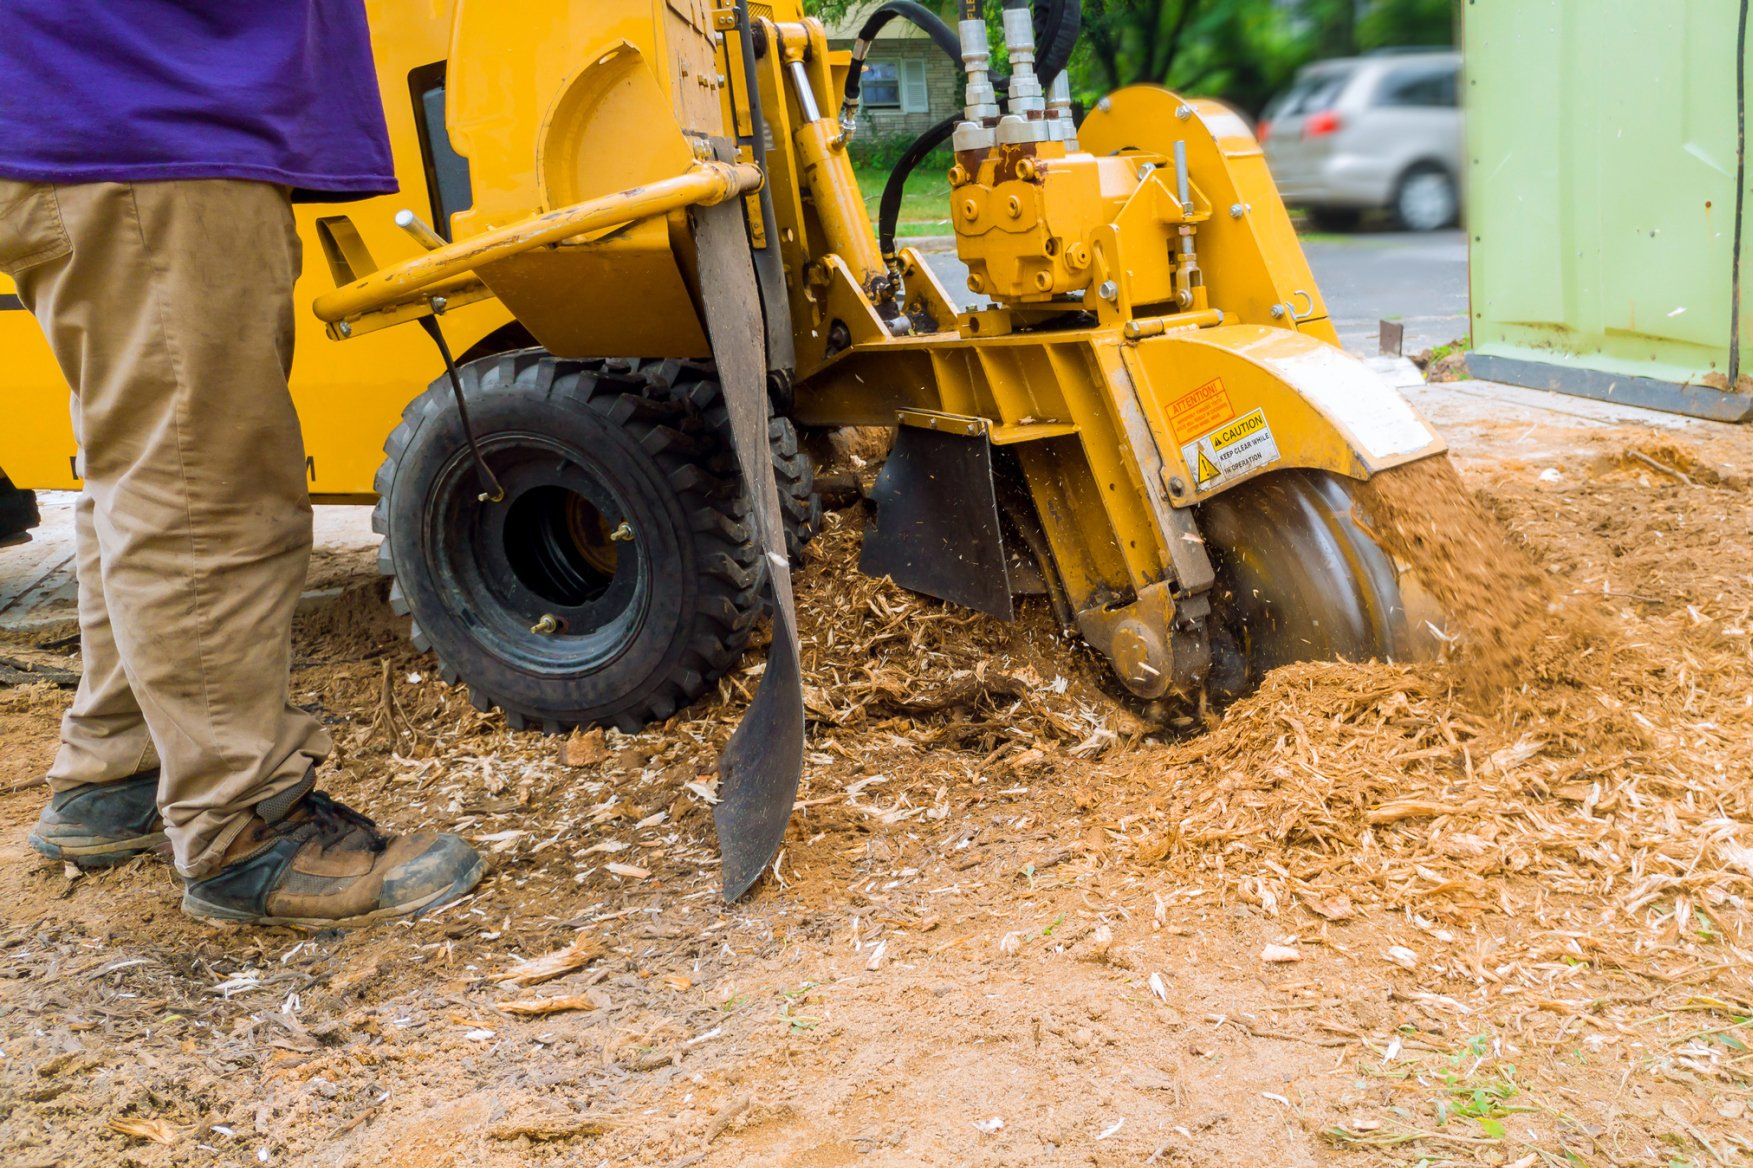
[1606, 200]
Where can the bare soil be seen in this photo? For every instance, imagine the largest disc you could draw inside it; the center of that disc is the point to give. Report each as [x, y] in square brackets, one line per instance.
[1487, 909]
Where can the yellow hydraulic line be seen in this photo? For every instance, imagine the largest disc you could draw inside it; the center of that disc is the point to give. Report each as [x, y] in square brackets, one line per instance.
[706, 184]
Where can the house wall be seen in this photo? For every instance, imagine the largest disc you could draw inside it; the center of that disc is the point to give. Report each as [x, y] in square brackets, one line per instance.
[943, 83]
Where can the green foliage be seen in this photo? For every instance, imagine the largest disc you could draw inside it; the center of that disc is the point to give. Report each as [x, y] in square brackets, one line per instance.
[925, 200]
[827, 11]
[1242, 51]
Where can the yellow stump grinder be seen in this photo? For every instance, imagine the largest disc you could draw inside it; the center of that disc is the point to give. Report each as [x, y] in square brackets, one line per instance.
[1142, 412]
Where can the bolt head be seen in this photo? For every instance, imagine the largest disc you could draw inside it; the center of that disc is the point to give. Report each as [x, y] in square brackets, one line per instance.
[970, 209]
[1177, 488]
[344, 329]
[976, 284]
[1184, 113]
[1278, 312]
[1109, 290]
[1043, 280]
[1104, 105]
[1014, 207]
[1237, 210]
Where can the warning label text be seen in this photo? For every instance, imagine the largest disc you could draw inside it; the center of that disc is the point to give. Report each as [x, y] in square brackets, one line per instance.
[1200, 410]
[1231, 450]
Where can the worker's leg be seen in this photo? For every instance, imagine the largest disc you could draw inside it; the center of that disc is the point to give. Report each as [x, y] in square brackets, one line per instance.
[170, 311]
[103, 735]
[103, 802]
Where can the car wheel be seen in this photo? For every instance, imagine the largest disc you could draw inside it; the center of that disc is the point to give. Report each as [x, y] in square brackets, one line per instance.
[1426, 199]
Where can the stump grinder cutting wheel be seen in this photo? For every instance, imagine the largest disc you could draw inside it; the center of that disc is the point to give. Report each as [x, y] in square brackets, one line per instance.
[588, 531]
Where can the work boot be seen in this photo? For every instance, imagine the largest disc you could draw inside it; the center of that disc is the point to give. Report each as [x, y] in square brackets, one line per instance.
[95, 825]
[320, 864]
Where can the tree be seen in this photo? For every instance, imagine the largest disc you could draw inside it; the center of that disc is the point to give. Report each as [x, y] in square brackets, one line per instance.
[1243, 51]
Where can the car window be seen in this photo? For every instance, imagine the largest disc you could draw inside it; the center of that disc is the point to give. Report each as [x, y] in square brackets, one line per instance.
[1424, 88]
[1309, 93]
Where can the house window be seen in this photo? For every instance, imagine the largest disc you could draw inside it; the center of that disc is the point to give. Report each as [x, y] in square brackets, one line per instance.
[881, 85]
[915, 98]
[895, 85]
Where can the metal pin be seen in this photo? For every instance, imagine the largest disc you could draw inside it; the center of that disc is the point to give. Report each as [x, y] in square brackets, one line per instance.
[623, 533]
[547, 625]
[415, 226]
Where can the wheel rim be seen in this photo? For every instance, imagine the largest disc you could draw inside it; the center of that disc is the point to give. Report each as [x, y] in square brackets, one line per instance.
[1298, 579]
[552, 579]
[1427, 201]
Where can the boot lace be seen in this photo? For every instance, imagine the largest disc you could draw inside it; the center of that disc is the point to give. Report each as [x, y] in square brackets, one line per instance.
[326, 820]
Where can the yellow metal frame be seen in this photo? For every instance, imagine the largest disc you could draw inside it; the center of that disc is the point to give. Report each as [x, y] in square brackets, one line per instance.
[1156, 337]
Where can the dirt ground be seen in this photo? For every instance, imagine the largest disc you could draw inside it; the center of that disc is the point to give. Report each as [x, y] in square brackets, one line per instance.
[1379, 915]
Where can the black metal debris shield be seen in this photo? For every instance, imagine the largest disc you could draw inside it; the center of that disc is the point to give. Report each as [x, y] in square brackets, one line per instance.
[761, 766]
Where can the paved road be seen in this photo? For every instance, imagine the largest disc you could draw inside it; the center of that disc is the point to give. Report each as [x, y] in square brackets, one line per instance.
[1421, 280]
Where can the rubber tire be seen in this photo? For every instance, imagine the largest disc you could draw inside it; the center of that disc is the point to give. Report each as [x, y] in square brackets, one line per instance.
[18, 513]
[1299, 578]
[1411, 221]
[794, 471]
[694, 551]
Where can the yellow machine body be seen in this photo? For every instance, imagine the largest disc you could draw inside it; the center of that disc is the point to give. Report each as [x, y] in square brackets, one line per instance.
[1138, 354]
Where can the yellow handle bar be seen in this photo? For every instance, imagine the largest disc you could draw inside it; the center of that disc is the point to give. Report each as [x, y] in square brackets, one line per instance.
[706, 184]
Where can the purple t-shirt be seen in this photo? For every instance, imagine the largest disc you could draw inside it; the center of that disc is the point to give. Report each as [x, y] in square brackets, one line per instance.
[280, 91]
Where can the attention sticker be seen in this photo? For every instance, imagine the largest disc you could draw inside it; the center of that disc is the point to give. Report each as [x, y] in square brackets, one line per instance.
[1241, 447]
[1203, 409]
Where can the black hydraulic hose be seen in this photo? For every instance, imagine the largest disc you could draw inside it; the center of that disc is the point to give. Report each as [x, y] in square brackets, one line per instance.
[941, 34]
[889, 210]
[1057, 25]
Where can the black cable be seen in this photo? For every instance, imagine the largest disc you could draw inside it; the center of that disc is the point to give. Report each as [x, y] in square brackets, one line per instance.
[889, 210]
[491, 492]
[1057, 26]
[1740, 201]
[924, 18]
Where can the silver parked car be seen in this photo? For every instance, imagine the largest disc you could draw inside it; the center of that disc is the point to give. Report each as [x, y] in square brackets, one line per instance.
[1366, 133]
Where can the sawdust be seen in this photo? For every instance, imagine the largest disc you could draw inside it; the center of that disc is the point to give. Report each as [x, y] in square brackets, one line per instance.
[1501, 608]
[1520, 913]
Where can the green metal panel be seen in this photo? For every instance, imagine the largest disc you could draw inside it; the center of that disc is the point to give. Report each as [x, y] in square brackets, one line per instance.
[1602, 152]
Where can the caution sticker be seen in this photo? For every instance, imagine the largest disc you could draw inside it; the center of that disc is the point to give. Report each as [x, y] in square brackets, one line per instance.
[1201, 410]
[1236, 449]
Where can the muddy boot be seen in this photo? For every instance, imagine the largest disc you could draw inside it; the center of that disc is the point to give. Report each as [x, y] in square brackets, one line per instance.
[99, 824]
[321, 864]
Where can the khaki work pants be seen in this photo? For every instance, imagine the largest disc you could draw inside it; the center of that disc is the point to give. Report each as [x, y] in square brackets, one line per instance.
[169, 308]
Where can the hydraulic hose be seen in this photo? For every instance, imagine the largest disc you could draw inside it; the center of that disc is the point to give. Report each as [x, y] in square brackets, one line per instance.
[889, 210]
[915, 13]
[1057, 25]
